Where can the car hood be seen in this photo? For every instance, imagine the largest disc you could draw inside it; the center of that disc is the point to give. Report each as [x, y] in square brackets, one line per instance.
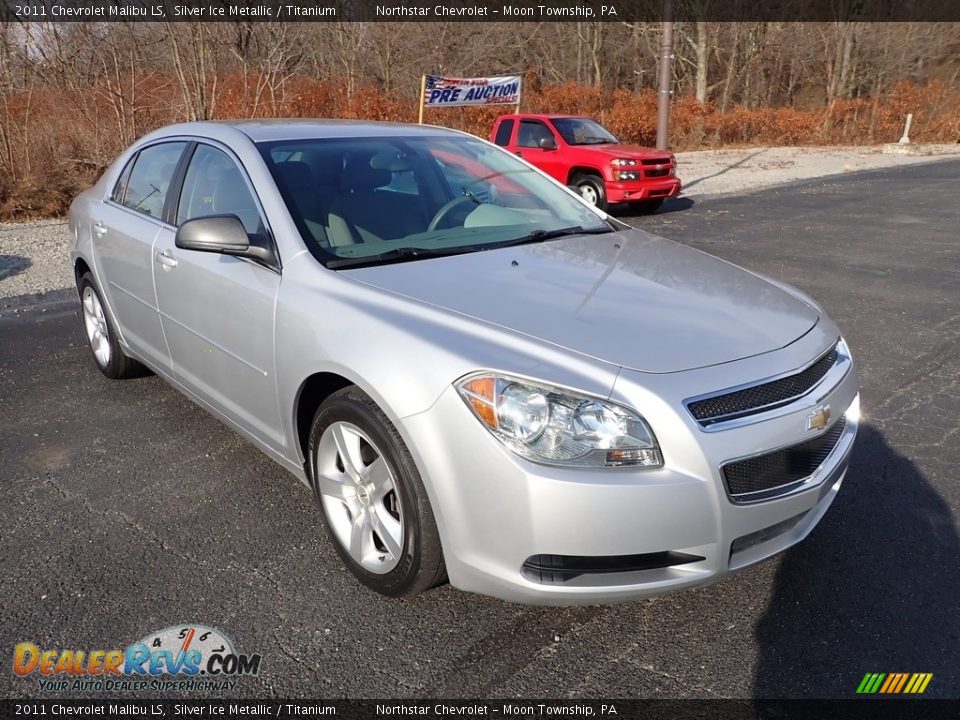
[620, 150]
[627, 298]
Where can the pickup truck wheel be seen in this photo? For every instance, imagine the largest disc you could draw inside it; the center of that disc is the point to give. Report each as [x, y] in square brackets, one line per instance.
[591, 189]
[102, 338]
[376, 508]
[647, 207]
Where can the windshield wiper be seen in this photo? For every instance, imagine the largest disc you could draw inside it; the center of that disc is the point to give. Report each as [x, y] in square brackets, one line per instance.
[403, 254]
[542, 235]
[400, 254]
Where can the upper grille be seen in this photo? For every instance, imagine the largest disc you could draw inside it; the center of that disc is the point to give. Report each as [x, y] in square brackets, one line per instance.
[768, 475]
[761, 397]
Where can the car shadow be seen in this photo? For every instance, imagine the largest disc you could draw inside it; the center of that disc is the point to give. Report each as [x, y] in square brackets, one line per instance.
[669, 205]
[11, 265]
[873, 589]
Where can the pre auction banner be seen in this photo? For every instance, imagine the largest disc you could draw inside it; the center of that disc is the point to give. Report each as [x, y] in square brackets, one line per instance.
[440, 91]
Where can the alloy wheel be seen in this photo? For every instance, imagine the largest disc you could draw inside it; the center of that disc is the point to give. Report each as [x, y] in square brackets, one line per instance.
[96, 325]
[589, 194]
[359, 494]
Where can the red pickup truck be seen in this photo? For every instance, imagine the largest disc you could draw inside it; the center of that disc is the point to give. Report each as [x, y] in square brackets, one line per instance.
[581, 153]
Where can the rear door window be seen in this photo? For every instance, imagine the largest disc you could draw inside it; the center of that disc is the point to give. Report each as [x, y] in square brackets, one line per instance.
[504, 132]
[146, 191]
[120, 189]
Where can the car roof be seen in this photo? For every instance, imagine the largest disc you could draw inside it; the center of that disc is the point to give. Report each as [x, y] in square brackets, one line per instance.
[547, 116]
[266, 130]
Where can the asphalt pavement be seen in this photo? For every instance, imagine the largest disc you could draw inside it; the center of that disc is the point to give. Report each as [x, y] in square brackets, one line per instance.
[124, 508]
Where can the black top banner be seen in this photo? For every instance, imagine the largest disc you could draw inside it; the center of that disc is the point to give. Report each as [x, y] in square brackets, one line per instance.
[477, 11]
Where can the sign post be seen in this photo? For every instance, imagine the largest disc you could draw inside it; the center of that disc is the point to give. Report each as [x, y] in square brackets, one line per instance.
[423, 92]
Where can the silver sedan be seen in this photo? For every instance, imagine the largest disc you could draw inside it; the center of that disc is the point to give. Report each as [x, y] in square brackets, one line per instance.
[481, 377]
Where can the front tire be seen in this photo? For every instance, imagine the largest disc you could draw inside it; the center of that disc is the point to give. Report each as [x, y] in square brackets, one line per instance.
[591, 189]
[375, 505]
[101, 335]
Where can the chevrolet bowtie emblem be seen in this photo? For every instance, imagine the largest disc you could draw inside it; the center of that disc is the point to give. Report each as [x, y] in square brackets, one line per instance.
[818, 419]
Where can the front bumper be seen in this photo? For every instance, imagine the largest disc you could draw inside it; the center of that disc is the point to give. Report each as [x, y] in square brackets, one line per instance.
[640, 190]
[497, 512]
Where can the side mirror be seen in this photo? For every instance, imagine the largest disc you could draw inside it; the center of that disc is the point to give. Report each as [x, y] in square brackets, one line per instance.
[547, 143]
[220, 234]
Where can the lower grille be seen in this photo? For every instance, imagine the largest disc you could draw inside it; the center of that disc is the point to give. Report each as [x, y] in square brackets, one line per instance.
[551, 569]
[775, 473]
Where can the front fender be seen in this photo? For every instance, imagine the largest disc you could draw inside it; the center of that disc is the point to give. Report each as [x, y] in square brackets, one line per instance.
[401, 352]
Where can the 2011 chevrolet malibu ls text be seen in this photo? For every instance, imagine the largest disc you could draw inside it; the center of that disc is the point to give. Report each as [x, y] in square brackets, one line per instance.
[481, 376]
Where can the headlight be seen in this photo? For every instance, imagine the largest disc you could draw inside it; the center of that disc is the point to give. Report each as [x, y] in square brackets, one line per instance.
[626, 174]
[623, 162]
[559, 427]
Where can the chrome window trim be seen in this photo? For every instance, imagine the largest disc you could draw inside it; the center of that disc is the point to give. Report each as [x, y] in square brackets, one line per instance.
[108, 198]
[833, 377]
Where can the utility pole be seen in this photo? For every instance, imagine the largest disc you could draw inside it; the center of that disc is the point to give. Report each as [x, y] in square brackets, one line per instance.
[666, 76]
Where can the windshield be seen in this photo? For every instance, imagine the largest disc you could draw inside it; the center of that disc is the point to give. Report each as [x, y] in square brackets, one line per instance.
[365, 201]
[583, 131]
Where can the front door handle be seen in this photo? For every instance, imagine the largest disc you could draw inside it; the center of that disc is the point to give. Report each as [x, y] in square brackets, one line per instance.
[166, 259]
[99, 228]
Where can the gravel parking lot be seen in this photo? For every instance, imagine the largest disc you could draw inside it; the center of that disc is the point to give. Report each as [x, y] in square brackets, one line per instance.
[125, 508]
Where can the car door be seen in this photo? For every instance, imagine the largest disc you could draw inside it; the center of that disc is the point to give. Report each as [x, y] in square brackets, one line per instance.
[217, 310]
[529, 135]
[124, 228]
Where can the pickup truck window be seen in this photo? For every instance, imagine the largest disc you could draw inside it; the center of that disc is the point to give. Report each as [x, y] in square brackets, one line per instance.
[531, 132]
[504, 133]
[583, 131]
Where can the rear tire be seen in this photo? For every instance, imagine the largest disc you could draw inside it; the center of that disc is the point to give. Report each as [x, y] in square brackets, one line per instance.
[101, 335]
[591, 189]
[376, 508]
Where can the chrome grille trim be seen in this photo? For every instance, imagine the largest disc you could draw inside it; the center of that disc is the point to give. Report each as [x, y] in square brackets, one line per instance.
[837, 370]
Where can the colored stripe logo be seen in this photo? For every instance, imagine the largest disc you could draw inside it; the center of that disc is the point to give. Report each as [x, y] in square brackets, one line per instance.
[894, 683]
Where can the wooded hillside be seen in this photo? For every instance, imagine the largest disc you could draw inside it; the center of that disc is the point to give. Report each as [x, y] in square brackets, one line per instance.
[73, 95]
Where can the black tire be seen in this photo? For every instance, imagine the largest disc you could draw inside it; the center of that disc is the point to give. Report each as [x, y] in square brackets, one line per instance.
[647, 207]
[119, 366]
[421, 566]
[593, 184]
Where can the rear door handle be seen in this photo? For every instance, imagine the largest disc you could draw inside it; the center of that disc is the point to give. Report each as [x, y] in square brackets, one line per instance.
[166, 259]
[99, 228]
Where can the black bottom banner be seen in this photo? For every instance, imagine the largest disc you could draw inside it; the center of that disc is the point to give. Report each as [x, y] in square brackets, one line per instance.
[853, 709]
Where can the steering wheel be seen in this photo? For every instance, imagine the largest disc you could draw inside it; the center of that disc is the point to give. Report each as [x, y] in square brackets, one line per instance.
[446, 210]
